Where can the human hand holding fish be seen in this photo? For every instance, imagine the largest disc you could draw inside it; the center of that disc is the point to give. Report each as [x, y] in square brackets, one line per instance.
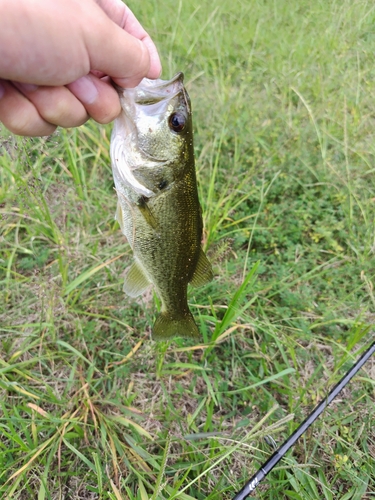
[57, 59]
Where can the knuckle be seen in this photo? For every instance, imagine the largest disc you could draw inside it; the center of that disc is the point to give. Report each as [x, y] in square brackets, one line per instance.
[63, 114]
[26, 125]
[20, 116]
[59, 107]
[16, 123]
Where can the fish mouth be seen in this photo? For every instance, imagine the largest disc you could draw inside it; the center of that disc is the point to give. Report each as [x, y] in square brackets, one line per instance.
[151, 92]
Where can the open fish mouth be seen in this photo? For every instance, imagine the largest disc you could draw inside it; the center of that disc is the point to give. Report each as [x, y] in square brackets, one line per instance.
[150, 92]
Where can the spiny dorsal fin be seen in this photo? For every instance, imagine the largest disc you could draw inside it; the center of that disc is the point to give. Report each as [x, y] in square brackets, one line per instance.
[203, 272]
[135, 282]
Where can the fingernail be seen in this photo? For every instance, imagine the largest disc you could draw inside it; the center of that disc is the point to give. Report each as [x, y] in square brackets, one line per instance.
[85, 89]
[27, 87]
[2, 90]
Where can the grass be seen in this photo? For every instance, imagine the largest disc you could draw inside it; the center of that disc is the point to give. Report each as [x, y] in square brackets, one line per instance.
[90, 407]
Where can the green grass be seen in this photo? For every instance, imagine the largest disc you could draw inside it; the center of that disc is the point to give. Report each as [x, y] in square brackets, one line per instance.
[90, 407]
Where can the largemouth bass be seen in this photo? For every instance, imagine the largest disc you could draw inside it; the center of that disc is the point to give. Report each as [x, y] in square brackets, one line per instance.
[158, 208]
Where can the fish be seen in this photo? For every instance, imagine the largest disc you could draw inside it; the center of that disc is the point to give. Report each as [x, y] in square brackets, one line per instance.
[158, 209]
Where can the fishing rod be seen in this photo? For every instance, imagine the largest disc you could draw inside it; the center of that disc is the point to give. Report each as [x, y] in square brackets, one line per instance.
[278, 455]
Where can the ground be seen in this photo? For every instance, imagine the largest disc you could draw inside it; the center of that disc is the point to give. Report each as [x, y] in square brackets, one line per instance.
[92, 407]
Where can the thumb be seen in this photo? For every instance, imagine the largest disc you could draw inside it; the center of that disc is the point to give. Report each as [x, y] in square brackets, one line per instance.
[123, 57]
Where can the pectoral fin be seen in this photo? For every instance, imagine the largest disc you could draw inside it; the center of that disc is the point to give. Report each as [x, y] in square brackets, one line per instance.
[203, 272]
[146, 212]
[136, 282]
[119, 216]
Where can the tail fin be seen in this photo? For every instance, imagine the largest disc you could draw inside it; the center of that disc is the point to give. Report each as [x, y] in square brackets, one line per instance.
[169, 325]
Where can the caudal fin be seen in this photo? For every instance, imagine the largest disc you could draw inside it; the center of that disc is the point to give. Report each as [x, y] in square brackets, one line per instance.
[168, 325]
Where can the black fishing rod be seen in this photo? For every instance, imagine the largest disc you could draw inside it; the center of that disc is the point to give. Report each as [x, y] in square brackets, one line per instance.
[278, 455]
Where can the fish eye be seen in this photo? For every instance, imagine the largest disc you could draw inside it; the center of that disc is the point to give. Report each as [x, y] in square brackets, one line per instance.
[177, 122]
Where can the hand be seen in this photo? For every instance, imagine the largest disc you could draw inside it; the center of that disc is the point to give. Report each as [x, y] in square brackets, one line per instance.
[65, 53]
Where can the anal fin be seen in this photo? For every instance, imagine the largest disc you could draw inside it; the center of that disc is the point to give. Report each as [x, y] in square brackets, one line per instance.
[203, 272]
[135, 282]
